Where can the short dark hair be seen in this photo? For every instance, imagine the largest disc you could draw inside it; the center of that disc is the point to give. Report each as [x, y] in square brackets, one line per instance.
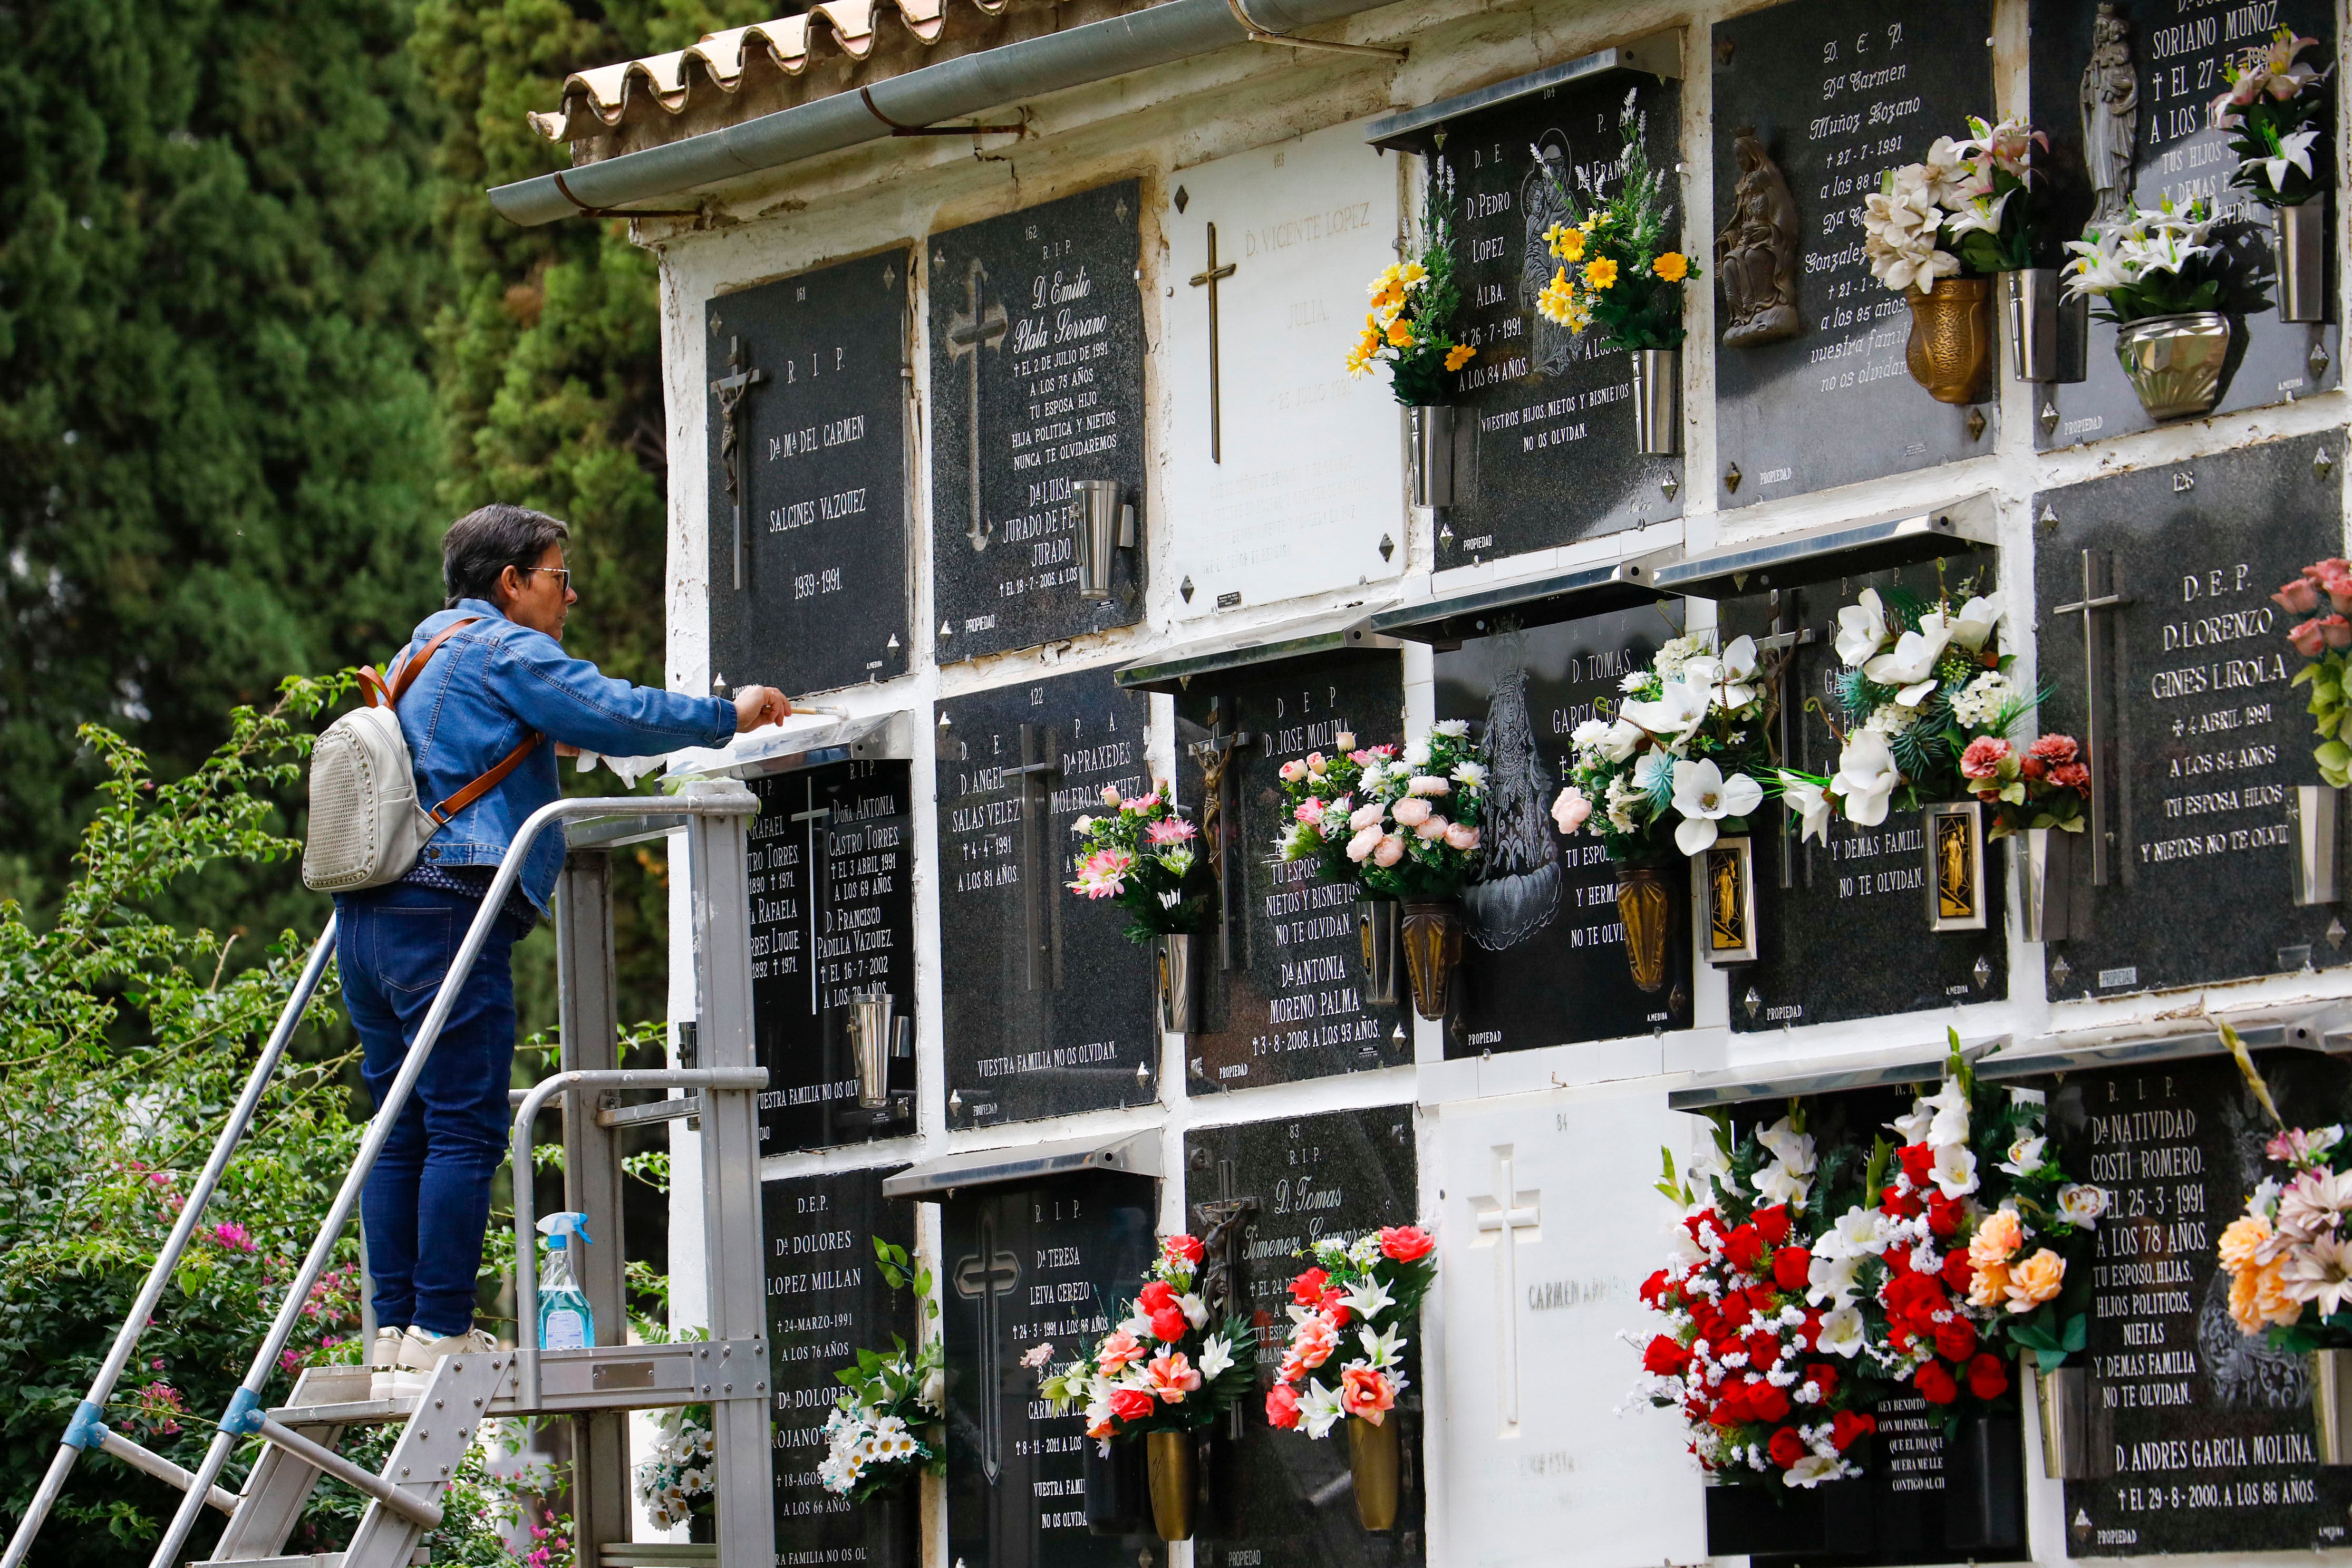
[480, 546]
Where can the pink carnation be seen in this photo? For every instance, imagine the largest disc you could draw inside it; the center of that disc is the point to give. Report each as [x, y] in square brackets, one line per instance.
[1984, 757]
[2054, 750]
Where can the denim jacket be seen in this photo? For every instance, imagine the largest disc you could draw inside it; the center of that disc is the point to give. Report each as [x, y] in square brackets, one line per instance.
[494, 683]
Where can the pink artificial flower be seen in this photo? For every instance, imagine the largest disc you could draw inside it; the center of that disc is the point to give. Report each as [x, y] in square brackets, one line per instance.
[1461, 835]
[1103, 874]
[1314, 1339]
[1315, 763]
[1308, 810]
[1433, 830]
[2337, 630]
[2299, 597]
[1293, 771]
[1111, 795]
[1429, 784]
[1984, 757]
[1366, 840]
[2071, 775]
[1172, 1377]
[2054, 750]
[2334, 576]
[1412, 811]
[1169, 830]
[2308, 638]
[1142, 803]
[1367, 1392]
[1368, 815]
[1570, 811]
[1119, 1353]
[1388, 851]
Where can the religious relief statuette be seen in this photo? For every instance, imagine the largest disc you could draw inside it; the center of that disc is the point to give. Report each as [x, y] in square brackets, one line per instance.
[1937, 233]
[1406, 827]
[1142, 853]
[2158, 279]
[1163, 1375]
[1756, 254]
[1727, 872]
[1352, 1307]
[1410, 329]
[884, 1430]
[2276, 107]
[1619, 267]
[1678, 764]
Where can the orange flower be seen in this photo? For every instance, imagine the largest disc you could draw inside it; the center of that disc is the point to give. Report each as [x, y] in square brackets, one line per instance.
[1459, 355]
[1996, 1240]
[2244, 1242]
[1988, 1286]
[1367, 1392]
[2258, 1298]
[1673, 267]
[2035, 1280]
[1401, 332]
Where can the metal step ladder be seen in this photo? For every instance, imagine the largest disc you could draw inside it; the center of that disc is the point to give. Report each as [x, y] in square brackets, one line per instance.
[595, 1387]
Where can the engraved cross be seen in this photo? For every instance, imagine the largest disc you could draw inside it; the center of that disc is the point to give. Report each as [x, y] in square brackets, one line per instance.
[970, 331]
[1503, 1221]
[2102, 590]
[1209, 279]
[731, 389]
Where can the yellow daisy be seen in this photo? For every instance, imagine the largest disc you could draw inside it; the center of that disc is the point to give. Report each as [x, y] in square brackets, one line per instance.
[1411, 273]
[1568, 244]
[1600, 273]
[1673, 267]
[1459, 355]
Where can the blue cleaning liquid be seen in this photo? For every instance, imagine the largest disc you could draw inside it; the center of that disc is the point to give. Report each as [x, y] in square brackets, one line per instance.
[566, 1320]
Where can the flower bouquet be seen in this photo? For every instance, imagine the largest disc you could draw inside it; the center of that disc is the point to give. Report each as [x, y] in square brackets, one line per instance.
[2277, 107]
[674, 1487]
[2158, 277]
[880, 1433]
[1399, 827]
[1410, 329]
[1685, 751]
[2323, 639]
[1372, 1284]
[1934, 232]
[1163, 1373]
[1629, 275]
[1143, 853]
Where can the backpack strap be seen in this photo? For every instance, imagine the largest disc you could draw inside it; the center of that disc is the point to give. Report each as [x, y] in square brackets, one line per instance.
[405, 671]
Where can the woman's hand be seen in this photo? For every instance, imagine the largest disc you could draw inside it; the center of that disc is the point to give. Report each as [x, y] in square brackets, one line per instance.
[758, 705]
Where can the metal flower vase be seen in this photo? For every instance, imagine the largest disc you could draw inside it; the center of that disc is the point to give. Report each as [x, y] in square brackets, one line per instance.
[1169, 1460]
[2045, 858]
[1647, 909]
[1951, 349]
[2063, 1398]
[2331, 1404]
[1434, 932]
[1375, 1467]
[894, 1528]
[1179, 983]
[1657, 380]
[872, 1030]
[2046, 333]
[1377, 928]
[2299, 238]
[1115, 1487]
[1432, 454]
[2314, 825]
[2174, 362]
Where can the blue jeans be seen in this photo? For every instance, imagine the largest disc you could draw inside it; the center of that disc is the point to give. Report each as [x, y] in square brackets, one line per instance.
[427, 1200]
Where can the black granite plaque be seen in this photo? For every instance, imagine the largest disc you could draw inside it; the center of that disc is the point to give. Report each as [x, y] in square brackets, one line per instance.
[817, 445]
[2200, 1438]
[825, 1302]
[1290, 1002]
[2177, 52]
[1566, 979]
[833, 917]
[2209, 739]
[1045, 1265]
[1818, 907]
[1839, 91]
[1049, 1008]
[1278, 1498]
[1546, 416]
[1037, 381]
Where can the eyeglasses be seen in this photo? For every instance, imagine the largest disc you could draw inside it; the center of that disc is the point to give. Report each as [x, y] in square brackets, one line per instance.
[563, 572]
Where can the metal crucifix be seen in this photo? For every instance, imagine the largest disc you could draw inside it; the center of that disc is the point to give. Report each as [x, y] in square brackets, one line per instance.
[2102, 590]
[969, 331]
[731, 389]
[1208, 280]
[1222, 1220]
[1215, 755]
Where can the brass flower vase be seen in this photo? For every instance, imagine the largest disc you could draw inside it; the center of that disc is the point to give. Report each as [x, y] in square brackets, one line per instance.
[2175, 362]
[1377, 920]
[1644, 904]
[1434, 932]
[1169, 1458]
[1951, 350]
[2331, 1404]
[1375, 1464]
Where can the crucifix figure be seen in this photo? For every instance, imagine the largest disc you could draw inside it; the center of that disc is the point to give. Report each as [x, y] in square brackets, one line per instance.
[731, 389]
[1222, 1220]
[1215, 755]
[1208, 280]
[969, 331]
[1503, 1221]
[2102, 590]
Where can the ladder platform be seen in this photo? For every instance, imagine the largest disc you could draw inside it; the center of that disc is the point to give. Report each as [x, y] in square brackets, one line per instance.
[605, 1378]
[421, 1556]
[656, 1553]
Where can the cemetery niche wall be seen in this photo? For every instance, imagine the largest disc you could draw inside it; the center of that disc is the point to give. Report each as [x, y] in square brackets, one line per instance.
[1036, 333]
[830, 864]
[2181, 688]
[1049, 1008]
[1279, 1499]
[807, 563]
[1814, 100]
[2123, 88]
[1288, 992]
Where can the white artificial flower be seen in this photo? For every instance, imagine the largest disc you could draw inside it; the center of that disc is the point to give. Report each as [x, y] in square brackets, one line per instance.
[1789, 1146]
[1913, 1128]
[1216, 1356]
[2024, 1156]
[1320, 1409]
[1632, 681]
[1416, 755]
[1972, 623]
[1842, 1332]
[1776, 1184]
[1955, 1170]
[1866, 779]
[1736, 674]
[1384, 1349]
[1831, 1282]
[1811, 1471]
[1452, 729]
[1951, 1108]
[2295, 151]
[1587, 735]
[1812, 804]
[1949, 172]
[1911, 665]
[1679, 708]
[1978, 705]
[1365, 1250]
[1890, 719]
[1469, 775]
[1705, 798]
[2080, 1203]
[1621, 799]
[1862, 627]
[1368, 1298]
[1195, 1310]
[1622, 740]
[1083, 825]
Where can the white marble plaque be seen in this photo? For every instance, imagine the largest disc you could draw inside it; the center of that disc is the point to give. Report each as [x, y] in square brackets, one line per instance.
[1549, 1230]
[1309, 473]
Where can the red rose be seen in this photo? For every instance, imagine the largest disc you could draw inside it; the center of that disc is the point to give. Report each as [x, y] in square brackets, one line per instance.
[1282, 1406]
[1847, 1425]
[1935, 1385]
[1168, 1324]
[1823, 1376]
[1957, 1271]
[1404, 1243]
[1666, 1357]
[1759, 1300]
[1772, 1221]
[1899, 1337]
[1704, 1220]
[1791, 1266]
[1944, 1215]
[1766, 1403]
[1335, 1307]
[1131, 1403]
[1156, 1296]
[1808, 1334]
[1187, 1247]
[1956, 1339]
[1307, 1288]
[1914, 1300]
[1731, 1405]
[1736, 1311]
[1706, 1320]
[1898, 1203]
[1786, 1448]
[1917, 1161]
[1745, 1248]
[1763, 1349]
[1653, 1289]
[1987, 1377]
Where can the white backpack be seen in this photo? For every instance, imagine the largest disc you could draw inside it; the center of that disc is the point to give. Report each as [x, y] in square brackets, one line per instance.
[366, 826]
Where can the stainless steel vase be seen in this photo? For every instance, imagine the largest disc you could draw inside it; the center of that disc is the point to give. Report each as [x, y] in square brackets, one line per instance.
[1377, 923]
[2063, 1398]
[1099, 513]
[871, 1030]
[2174, 362]
[2299, 236]
[2331, 1404]
[1657, 379]
[2314, 822]
[1432, 454]
[2045, 858]
[1179, 983]
[2031, 302]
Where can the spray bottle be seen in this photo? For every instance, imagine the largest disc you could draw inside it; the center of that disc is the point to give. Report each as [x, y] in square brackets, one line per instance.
[566, 1320]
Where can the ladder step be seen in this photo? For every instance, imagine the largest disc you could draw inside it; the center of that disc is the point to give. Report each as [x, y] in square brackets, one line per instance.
[656, 1554]
[419, 1558]
[354, 1413]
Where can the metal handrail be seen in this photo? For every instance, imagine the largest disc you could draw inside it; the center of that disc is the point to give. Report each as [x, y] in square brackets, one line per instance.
[87, 1428]
[526, 1201]
[244, 1416]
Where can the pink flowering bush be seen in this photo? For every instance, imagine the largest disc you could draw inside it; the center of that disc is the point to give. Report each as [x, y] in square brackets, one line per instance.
[1142, 852]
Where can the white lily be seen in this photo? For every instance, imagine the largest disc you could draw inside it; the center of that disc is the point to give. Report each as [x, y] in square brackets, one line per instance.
[1368, 1298]
[2295, 152]
[1913, 1128]
[1779, 1184]
[1195, 1310]
[1216, 1356]
[1832, 1281]
[1704, 797]
[1813, 1471]
[1950, 1124]
[1911, 664]
[1384, 1348]
[1842, 1332]
[1955, 1170]
[1789, 1146]
[1320, 1409]
[1812, 804]
[1862, 627]
[1866, 778]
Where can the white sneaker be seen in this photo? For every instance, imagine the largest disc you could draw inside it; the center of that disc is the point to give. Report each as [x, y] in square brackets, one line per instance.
[421, 1351]
[382, 1358]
